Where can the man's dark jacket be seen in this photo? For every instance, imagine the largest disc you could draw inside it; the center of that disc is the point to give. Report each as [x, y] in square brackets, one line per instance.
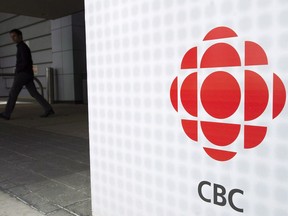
[24, 61]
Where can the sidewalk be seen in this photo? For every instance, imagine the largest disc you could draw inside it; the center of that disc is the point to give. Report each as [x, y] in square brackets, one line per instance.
[11, 206]
[45, 161]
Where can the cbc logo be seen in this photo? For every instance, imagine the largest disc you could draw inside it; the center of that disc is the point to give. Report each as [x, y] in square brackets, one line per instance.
[218, 195]
[220, 93]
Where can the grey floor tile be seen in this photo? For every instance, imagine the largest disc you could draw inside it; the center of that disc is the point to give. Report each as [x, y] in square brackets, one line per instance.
[39, 185]
[75, 180]
[8, 172]
[85, 173]
[6, 185]
[49, 171]
[27, 178]
[20, 191]
[61, 194]
[60, 213]
[10, 206]
[39, 202]
[81, 208]
[86, 190]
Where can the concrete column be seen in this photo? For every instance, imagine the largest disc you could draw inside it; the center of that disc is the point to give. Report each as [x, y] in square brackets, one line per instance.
[69, 57]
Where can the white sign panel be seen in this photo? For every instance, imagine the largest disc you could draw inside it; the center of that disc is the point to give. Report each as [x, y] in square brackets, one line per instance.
[187, 107]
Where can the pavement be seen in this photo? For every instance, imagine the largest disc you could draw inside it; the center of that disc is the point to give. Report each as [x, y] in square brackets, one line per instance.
[44, 162]
[12, 206]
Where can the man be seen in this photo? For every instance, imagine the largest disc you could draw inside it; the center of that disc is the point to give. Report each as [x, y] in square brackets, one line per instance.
[23, 77]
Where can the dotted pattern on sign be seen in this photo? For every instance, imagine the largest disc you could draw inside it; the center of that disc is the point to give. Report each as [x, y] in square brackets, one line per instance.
[142, 163]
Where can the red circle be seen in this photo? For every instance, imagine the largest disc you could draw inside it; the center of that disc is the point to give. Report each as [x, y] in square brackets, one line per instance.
[220, 94]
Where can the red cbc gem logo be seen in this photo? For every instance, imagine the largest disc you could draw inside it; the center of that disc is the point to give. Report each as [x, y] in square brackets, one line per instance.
[220, 94]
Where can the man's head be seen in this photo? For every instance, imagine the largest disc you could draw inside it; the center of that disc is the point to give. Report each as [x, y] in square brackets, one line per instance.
[16, 35]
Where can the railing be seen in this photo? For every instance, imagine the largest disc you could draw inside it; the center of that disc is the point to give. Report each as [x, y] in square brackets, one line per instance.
[35, 79]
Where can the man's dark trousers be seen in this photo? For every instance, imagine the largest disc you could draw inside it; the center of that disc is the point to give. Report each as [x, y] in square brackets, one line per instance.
[24, 79]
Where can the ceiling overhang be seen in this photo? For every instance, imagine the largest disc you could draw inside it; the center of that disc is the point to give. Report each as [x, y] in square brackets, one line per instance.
[48, 9]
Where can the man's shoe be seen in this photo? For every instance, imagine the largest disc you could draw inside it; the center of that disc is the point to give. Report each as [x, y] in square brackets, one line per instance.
[47, 113]
[2, 115]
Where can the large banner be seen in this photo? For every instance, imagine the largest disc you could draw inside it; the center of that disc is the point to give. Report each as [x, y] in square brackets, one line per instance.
[187, 107]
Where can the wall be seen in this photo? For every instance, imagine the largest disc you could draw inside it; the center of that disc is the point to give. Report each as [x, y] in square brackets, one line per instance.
[143, 162]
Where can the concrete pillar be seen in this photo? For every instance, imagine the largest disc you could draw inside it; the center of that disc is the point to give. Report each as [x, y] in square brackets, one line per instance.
[69, 57]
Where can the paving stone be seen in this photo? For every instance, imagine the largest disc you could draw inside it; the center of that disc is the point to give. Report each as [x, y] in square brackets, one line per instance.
[8, 171]
[75, 180]
[86, 190]
[15, 158]
[81, 208]
[85, 173]
[60, 213]
[27, 178]
[48, 170]
[10, 206]
[6, 185]
[61, 194]
[39, 202]
[20, 191]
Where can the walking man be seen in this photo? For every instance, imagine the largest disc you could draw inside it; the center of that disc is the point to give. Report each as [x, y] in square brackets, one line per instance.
[23, 77]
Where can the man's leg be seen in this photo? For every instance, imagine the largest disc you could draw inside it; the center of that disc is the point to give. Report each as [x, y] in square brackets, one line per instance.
[40, 99]
[18, 84]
